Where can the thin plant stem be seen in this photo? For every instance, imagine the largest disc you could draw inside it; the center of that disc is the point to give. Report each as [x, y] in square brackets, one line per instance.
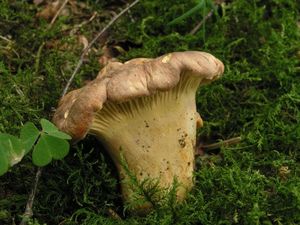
[57, 13]
[217, 145]
[28, 211]
[202, 22]
[85, 51]
[37, 60]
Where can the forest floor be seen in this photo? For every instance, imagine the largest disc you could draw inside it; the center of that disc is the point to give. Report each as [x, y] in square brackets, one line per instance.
[256, 181]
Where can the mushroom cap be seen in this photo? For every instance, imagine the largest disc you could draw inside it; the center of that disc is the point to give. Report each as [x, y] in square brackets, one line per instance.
[120, 82]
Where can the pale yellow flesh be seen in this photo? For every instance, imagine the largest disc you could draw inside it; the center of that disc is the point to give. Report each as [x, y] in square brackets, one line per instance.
[155, 134]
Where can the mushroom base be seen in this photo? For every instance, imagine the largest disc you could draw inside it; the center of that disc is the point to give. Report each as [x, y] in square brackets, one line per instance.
[156, 135]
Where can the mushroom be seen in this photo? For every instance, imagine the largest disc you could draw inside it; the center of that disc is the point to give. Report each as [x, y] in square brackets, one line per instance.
[144, 110]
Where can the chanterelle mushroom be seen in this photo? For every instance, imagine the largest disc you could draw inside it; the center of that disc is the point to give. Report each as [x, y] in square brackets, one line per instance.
[144, 108]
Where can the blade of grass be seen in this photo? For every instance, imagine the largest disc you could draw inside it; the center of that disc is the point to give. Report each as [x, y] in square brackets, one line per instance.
[193, 10]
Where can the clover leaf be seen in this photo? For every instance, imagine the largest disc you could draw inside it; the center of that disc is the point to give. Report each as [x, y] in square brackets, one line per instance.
[47, 144]
[28, 135]
[47, 148]
[52, 130]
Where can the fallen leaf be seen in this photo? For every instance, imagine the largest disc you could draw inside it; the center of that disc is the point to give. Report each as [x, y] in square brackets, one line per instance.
[83, 40]
[37, 2]
[59, 45]
[109, 54]
[283, 172]
[50, 10]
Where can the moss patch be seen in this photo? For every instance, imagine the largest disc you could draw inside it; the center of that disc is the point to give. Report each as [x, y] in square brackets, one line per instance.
[258, 98]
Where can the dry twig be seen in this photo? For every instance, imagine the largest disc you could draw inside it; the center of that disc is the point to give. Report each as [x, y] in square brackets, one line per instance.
[113, 214]
[201, 148]
[197, 27]
[28, 211]
[76, 27]
[57, 13]
[5, 39]
[230, 141]
[85, 51]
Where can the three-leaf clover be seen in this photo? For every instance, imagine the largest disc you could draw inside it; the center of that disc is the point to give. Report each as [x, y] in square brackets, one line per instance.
[52, 144]
[47, 144]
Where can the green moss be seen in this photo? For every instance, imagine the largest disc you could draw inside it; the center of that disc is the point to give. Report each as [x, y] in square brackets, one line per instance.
[258, 98]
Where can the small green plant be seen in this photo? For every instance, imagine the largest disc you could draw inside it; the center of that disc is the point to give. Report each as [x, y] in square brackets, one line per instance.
[143, 192]
[257, 182]
[47, 144]
[202, 5]
[148, 191]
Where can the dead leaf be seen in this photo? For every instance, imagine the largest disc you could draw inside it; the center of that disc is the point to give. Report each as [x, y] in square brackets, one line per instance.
[58, 45]
[219, 2]
[109, 54]
[37, 2]
[77, 7]
[283, 172]
[83, 40]
[50, 10]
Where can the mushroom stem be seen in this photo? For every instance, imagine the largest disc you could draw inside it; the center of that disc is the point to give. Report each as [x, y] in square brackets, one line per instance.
[144, 112]
[156, 134]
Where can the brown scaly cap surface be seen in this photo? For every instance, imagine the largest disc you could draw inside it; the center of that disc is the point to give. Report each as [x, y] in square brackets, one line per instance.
[119, 82]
